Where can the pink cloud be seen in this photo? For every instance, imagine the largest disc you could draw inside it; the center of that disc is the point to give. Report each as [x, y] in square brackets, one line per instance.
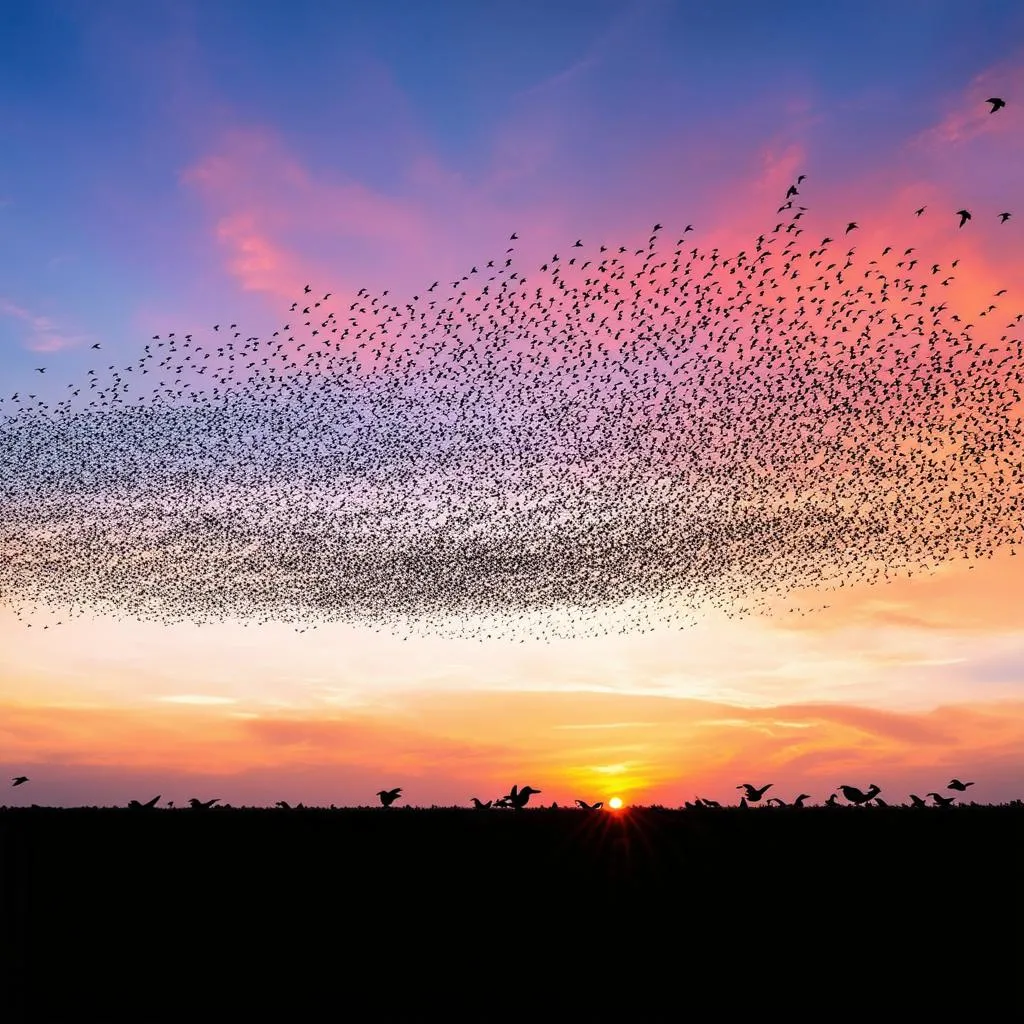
[44, 335]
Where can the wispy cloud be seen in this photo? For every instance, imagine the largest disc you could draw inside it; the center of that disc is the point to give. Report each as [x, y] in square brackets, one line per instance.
[43, 334]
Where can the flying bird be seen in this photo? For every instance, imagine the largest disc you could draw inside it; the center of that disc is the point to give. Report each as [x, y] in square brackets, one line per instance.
[1004, 217]
[996, 102]
[964, 216]
[19, 780]
[959, 786]
[920, 210]
[849, 227]
[389, 796]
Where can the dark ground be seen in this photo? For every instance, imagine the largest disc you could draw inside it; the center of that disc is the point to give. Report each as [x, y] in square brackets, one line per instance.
[373, 914]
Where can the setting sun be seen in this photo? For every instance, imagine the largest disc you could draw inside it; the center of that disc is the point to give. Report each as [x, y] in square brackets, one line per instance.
[615, 803]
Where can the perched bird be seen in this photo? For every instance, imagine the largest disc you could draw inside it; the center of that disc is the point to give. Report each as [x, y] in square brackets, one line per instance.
[855, 796]
[480, 805]
[135, 805]
[518, 798]
[753, 794]
[916, 801]
[959, 786]
[942, 801]
[996, 102]
[389, 796]
[964, 216]
[197, 805]
[19, 780]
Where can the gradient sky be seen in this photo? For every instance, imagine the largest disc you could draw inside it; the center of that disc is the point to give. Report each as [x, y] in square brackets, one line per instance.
[169, 165]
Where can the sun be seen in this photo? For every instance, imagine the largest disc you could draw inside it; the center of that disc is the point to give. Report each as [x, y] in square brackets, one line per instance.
[615, 803]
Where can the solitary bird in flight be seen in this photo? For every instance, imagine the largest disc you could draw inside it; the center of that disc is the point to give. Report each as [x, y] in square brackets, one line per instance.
[1004, 217]
[20, 780]
[849, 227]
[964, 216]
[920, 210]
[389, 796]
[996, 103]
[959, 786]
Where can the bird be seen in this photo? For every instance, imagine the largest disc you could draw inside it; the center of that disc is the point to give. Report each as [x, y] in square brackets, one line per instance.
[752, 794]
[40, 369]
[996, 102]
[831, 801]
[519, 798]
[1004, 217]
[942, 801]
[920, 210]
[916, 801]
[198, 805]
[135, 805]
[964, 216]
[849, 227]
[879, 802]
[479, 804]
[389, 796]
[959, 786]
[855, 796]
[283, 805]
[19, 780]
[584, 806]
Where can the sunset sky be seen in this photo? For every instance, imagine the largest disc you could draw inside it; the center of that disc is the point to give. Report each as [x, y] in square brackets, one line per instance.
[171, 165]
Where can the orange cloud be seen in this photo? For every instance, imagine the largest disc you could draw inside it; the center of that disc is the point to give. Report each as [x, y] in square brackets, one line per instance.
[446, 747]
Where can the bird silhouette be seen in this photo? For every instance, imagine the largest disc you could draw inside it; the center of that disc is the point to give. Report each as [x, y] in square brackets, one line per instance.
[753, 794]
[916, 801]
[198, 805]
[135, 805]
[519, 798]
[479, 804]
[584, 806]
[942, 801]
[389, 796]
[996, 102]
[959, 786]
[1004, 217]
[19, 780]
[964, 216]
[856, 796]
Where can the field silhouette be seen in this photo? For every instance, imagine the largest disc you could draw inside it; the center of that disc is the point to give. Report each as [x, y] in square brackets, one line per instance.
[409, 914]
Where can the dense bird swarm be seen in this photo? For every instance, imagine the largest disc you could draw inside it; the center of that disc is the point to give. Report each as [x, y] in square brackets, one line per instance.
[611, 441]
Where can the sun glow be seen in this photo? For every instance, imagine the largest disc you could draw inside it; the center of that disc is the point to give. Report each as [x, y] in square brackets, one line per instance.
[615, 803]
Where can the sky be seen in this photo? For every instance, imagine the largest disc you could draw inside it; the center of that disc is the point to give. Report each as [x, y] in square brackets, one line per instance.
[171, 165]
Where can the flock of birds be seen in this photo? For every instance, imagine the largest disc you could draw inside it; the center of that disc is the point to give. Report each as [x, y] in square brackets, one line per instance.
[607, 442]
[517, 798]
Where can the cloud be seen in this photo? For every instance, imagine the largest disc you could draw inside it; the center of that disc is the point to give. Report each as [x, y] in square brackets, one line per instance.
[43, 333]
